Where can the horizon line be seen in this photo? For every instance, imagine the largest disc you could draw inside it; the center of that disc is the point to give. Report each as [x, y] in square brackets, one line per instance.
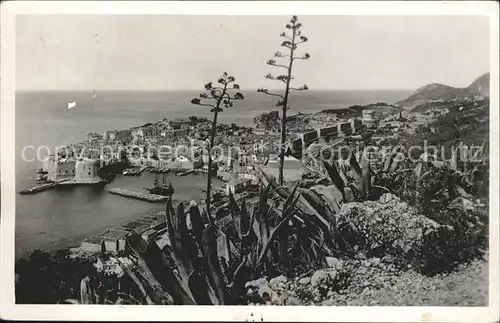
[200, 90]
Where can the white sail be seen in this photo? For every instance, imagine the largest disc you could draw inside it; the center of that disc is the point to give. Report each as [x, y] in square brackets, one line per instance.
[71, 105]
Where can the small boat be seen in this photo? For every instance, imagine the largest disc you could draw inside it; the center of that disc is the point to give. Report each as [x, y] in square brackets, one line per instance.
[94, 95]
[184, 173]
[71, 104]
[131, 172]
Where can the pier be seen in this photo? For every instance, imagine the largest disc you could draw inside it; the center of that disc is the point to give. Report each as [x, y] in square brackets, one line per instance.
[88, 181]
[138, 195]
[38, 188]
[42, 187]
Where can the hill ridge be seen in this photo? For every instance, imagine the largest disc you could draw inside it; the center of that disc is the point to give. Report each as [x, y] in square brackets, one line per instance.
[438, 91]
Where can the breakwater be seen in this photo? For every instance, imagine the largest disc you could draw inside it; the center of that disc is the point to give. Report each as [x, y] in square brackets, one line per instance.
[37, 188]
[137, 195]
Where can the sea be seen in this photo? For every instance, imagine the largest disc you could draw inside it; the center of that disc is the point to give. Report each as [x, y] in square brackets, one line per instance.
[61, 218]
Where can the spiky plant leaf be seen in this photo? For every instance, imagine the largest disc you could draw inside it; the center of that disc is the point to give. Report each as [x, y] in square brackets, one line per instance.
[196, 224]
[357, 174]
[366, 178]
[212, 263]
[331, 195]
[288, 213]
[236, 214]
[335, 176]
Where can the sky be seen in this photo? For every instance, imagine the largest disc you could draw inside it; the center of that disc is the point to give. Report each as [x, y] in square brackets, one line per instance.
[180, 52]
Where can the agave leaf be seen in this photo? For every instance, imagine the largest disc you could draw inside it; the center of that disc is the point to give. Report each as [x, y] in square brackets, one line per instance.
[187, 243]
[84, 293]
[264, 229]
[183, 256]
[331, 195]
[357, 174]
[202, 291]
[236, 214]
[211, 259]
[318, 203]
[255, 223]
[289, 212]
[247, 232]
[196, 224]
[313, 248]
[396, 161]
[290, 198]
[245, 218]
[262, 204]
[302, 203]
[142, 252]
[169, 214]
[139, 284]
[366, 178]
[238, 270]
[334, 175]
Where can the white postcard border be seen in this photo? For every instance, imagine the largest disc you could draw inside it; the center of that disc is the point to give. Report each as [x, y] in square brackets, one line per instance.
[9, 310]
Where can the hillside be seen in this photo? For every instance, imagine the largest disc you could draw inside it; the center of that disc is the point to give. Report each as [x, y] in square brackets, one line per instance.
[481, 86]
[436, 91]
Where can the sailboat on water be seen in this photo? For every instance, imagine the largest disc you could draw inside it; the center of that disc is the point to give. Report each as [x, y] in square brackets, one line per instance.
[71, 104]
[163, 188]
[94, 95]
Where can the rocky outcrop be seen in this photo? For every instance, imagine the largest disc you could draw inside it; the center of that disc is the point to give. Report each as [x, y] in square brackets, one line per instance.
[305, 290]
[375, 281]
[391, 227]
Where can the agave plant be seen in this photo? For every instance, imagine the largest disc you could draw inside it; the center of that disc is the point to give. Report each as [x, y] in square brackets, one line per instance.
[209, 265]
[263, 228]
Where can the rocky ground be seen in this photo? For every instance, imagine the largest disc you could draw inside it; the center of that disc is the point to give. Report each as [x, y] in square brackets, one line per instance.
[375, 281]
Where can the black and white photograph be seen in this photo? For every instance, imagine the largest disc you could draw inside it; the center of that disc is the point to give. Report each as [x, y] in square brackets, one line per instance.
[272, 158]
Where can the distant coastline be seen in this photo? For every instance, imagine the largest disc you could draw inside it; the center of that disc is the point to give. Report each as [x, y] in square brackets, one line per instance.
[23, 91]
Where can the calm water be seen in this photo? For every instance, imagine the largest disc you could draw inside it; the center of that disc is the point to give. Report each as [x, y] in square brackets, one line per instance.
[60, 218]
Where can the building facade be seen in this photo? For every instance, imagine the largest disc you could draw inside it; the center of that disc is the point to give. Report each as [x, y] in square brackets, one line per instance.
[58, 169]
[86, 169]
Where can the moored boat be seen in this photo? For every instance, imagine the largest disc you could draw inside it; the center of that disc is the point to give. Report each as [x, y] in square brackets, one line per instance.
[164, 189]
